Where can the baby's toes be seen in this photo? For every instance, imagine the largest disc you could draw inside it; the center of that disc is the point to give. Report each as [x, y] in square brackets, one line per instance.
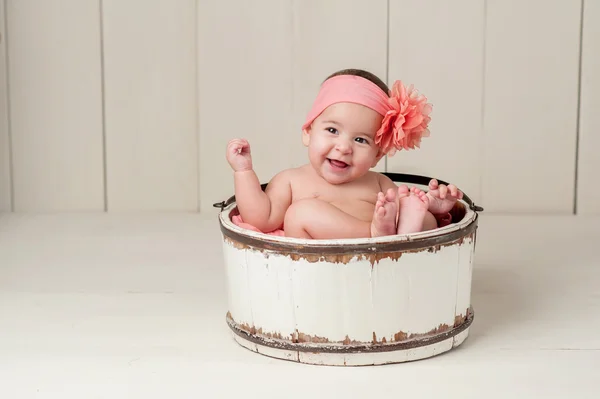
[453, 190]
[443, 191]
[403, 190]
[390, 195]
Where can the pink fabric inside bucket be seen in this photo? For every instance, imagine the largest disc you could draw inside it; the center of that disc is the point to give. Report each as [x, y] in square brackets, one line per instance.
[237, 220]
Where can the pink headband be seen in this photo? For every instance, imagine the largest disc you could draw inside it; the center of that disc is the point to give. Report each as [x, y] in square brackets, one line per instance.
[405, 112]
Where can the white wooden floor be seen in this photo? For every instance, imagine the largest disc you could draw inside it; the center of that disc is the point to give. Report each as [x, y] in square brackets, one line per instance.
[132, 306]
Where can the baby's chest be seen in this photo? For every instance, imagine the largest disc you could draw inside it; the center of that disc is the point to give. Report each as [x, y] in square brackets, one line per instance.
[337, 194]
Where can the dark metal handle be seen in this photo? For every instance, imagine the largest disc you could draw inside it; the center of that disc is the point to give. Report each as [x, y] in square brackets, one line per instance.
[396, 177]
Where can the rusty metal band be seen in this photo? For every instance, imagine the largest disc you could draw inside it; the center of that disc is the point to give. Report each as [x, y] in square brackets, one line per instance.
[314, 248]
[354, 348]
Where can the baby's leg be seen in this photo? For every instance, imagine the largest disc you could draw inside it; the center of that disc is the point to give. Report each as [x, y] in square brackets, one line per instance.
[413, 211]
[384, 217]
[313, 218]
[429, 222]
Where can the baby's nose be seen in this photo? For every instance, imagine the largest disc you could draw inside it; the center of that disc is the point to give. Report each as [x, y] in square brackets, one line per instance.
[344, 146]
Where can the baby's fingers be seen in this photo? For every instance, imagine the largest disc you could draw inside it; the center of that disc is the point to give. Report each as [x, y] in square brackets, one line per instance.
[238, 146]
[433, 184]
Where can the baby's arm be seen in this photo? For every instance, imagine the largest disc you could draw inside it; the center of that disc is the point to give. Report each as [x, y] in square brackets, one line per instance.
[264, 210]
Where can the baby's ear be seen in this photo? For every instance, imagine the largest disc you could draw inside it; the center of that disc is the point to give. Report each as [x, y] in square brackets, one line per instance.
[306, 136]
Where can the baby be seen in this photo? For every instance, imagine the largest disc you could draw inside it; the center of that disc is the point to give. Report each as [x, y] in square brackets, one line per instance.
[354, 122]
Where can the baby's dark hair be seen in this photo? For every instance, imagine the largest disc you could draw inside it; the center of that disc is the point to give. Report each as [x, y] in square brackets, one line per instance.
[363, 74]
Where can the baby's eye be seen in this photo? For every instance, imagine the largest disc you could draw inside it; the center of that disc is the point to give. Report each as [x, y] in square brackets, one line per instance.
[332, 130]
[361, 140]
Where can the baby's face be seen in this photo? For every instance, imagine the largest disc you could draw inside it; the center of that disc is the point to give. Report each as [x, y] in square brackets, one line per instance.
[341, 142]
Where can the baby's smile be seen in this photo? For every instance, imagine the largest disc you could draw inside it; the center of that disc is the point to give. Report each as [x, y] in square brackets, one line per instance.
[337, 164]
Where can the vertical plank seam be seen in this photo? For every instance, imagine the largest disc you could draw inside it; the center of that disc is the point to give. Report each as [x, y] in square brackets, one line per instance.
[456, 292]
[293, 27]
[11, 167]
[197, 107]
[578, 120]
[481, 169]
[288, 262]
[387, 59]
[103, 106]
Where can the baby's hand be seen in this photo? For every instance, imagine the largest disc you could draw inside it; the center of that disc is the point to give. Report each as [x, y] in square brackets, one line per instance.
[238, 155]
[442, 198]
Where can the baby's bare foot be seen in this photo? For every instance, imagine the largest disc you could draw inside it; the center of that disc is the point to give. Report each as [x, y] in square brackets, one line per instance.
[442, 198]
[384, 217]
[413, 208]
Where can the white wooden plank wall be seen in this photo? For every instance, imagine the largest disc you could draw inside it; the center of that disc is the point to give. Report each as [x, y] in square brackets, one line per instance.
[244, 73]
[55, 104]
[588, 195]
[437, 45]
[128, 105]
[530, 105]
[150, 100]
[5, 189]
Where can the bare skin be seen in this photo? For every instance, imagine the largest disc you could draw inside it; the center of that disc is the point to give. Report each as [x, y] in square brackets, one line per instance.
[335, 195]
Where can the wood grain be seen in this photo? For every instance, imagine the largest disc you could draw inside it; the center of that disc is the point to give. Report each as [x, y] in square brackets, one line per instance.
[531, 95]
[245, 90]
[588, 195]
[438, 47]
[55, 105]
[151, 107]
[5, 184]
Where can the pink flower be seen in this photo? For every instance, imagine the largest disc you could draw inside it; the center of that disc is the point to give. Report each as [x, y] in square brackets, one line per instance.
[406, 122]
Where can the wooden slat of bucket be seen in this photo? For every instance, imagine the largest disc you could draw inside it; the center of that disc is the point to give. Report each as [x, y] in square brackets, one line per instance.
[269, 281]
[465, 273]
[432, 288]
[357, 302]
[391, 298]
[318, 297]
[416, 294]
[240, 300]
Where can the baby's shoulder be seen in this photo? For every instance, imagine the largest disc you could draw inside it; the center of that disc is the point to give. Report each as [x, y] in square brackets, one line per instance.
[297, 173]
[382, 180]
[287, 176]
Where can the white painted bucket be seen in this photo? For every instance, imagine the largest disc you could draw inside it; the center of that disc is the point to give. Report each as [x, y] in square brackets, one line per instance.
[351, 302]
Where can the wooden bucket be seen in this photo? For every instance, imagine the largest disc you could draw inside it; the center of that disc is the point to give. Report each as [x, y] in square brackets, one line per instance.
[351, 302]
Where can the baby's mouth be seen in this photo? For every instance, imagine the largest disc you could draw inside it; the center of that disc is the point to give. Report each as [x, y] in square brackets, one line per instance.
[337, 164]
